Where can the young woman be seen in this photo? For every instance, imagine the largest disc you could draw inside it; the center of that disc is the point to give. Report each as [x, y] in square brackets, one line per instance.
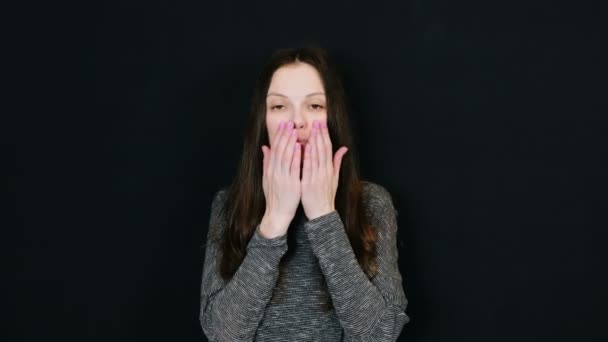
[298, 247]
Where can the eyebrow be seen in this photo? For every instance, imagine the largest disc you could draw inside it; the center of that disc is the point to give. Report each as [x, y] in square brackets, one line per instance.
[309, 95]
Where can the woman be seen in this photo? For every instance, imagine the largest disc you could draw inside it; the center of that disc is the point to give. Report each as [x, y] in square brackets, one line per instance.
[299, 248]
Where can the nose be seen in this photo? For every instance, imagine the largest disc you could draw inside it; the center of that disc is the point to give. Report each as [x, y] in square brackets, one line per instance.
[298, 119]
[298, 124]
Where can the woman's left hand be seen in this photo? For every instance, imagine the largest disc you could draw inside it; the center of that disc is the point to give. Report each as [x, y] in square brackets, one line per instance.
[320, 173]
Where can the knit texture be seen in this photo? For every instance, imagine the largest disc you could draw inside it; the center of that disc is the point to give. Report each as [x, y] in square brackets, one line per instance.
[321, 258]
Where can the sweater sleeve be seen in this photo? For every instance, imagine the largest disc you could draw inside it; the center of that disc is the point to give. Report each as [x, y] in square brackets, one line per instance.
[232, 310]
[367, 310]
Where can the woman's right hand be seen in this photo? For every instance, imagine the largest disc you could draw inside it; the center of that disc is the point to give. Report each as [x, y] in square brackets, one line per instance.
[281, 181]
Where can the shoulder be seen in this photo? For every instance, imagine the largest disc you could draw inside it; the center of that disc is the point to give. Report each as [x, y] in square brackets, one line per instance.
[220, 197]
[376, 196]
[217, 213]
[379, 208]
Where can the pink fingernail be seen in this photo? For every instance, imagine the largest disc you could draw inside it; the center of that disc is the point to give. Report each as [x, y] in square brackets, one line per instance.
[281, 125]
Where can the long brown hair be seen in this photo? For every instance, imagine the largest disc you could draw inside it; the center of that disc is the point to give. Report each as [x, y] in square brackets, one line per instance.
[245, 202]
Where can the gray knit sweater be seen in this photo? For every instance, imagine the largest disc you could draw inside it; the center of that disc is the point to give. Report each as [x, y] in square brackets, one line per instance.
[320, 258]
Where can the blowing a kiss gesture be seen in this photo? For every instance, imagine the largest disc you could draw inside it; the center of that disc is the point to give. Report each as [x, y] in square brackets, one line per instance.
[283, 186]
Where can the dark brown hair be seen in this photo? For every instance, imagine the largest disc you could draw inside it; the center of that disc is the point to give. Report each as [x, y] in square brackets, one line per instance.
[245, 202]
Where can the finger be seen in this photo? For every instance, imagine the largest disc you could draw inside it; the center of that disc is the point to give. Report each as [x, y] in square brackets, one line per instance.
[274, 147]
[281, 146]
[277, 135]
[295, 164]
[314, 158]
[338, 161]
[307, 163]
[320, 148]
[289, 151]
[327, 144]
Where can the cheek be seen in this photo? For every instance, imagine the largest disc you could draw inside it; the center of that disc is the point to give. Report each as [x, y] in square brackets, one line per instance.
[272, 126]
[320, 117]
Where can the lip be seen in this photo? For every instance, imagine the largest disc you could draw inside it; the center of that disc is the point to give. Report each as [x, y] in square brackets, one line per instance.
[302, 142]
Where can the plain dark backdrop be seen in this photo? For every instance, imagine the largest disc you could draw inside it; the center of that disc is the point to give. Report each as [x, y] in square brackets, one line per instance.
[484, 120]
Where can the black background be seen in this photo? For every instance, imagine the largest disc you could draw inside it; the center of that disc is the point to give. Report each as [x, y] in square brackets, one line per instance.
[482, 119]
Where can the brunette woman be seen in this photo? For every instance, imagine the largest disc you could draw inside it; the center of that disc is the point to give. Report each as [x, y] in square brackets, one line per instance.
[299, 248]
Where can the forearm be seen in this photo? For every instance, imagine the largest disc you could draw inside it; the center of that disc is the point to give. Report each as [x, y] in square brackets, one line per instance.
[363, 311]
[233, 312]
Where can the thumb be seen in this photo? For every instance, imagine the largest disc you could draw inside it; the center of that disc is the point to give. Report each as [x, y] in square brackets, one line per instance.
[338, 160]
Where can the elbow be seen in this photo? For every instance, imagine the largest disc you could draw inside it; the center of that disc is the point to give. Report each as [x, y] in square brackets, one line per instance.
[206, 327]
[210, 327]
[216, 330]
[387, 329]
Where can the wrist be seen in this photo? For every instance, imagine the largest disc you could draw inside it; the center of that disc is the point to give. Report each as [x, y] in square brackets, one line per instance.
[272, 226]
[320, 213]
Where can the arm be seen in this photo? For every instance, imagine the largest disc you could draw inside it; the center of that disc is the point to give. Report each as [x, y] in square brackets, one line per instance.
[367, 310]
[232, 310]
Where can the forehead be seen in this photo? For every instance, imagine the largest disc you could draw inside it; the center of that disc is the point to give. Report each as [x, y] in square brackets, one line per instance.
[296, 81]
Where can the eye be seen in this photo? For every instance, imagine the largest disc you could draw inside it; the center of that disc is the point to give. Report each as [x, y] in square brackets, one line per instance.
[316, 106]
[273, 107]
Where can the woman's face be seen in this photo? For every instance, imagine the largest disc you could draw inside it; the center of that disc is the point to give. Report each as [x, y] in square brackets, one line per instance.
[295, 95]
